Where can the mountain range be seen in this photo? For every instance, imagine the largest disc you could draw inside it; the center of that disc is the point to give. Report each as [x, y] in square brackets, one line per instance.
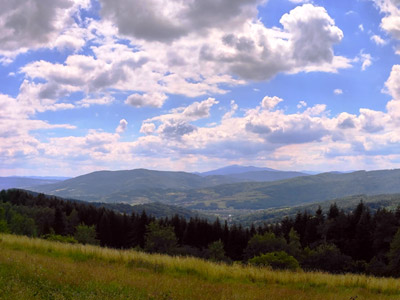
[241, 190]
[24, 182]
[143, 186]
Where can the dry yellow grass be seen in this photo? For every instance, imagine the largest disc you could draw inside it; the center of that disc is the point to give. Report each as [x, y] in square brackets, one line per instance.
[78, 272]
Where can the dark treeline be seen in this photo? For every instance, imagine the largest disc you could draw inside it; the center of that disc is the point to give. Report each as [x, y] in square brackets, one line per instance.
[334, 241]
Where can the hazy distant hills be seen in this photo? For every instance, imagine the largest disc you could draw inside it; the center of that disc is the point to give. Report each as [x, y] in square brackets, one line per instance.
[249, 173]
[263, 176]
[235, 169]
[23, 182]
[374, 202]
[131, 186]
[156, 209]
[290, 192]
[142, 186]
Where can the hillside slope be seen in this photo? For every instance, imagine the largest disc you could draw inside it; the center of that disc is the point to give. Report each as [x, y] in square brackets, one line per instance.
[39, 269]
[265, 176]
[373, 202]
[116, 186]
[196, 192]
[307, 189]
[235, 169]
[144, 186]
[23, 182]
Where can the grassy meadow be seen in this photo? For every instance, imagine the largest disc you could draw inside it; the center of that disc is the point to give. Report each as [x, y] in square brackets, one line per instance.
[38, 269]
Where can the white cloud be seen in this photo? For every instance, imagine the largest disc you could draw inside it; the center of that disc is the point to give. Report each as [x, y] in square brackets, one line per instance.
[365, 59]
[165, 21]
[87, 102]
[338, 91]
[177, 123]
[148, 128]
[33, 24]
[393, 82]
[378, 40]
[304, 44]
[391, 22]
[205, 59]
[199, 50]
[270, 103]
[302, 104]
[153, 99]
[122, 126]
[16, 125]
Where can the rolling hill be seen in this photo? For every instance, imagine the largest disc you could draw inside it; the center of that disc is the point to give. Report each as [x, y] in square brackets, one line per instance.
[23, 182]
[129, 186]
[144, 186]
[197, 192]
[265, 176]
[235, 169]
[374, 202]
[299, 190]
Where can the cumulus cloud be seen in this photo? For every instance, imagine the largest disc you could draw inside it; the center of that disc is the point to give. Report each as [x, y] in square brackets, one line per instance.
[346, 121]
[216, 44]
[148, 128]
[393, 82]
[378, 40]
[304, 44]
[87, 102]
[189, 48]
[175, 130]
[32, 24]
[301, 104]
[338, 91]
[277, 135]
[391, 21]
[16, 125]
[365, 59]
[177, 123]
[122, 126]
[313, 33]
[270, 102]
[165, 21]
[153, 99]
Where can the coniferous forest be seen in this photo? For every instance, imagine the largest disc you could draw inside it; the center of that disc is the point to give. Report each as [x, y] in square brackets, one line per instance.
[333, 241]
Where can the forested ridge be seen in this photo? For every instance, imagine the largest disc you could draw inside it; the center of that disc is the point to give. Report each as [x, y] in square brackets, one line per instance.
[335, 241]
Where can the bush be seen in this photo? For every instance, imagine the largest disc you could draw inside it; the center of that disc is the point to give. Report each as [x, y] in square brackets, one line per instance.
[60, 238]
[276, 260]
[265, 243]
[160, 239]
[215, 252]
[86, 235]
[327, 257]
[4, 226]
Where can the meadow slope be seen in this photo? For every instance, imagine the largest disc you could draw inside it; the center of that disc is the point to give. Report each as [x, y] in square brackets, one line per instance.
[38, 269]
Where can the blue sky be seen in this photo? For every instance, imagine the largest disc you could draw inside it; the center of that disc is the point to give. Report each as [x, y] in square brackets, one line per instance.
[200, 84]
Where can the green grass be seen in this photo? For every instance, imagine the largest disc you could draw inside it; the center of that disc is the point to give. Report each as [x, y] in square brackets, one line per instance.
[39, 269]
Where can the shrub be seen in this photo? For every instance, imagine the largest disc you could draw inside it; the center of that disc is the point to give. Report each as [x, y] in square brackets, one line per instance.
[60, 238]
[265, 243]
[160, 239]
[86, 235]
[276, 260]
[327, 257]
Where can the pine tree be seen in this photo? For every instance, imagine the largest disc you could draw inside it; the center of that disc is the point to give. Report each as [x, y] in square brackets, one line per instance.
[394, 255]
[59, 223]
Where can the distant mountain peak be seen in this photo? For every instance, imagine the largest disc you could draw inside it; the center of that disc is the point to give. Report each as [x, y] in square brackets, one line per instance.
[235, 169]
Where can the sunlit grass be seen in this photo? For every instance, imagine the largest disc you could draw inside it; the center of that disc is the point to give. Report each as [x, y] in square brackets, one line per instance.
[70, 269]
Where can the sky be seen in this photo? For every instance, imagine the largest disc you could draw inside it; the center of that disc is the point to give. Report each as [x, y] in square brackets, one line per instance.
[194, 85]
